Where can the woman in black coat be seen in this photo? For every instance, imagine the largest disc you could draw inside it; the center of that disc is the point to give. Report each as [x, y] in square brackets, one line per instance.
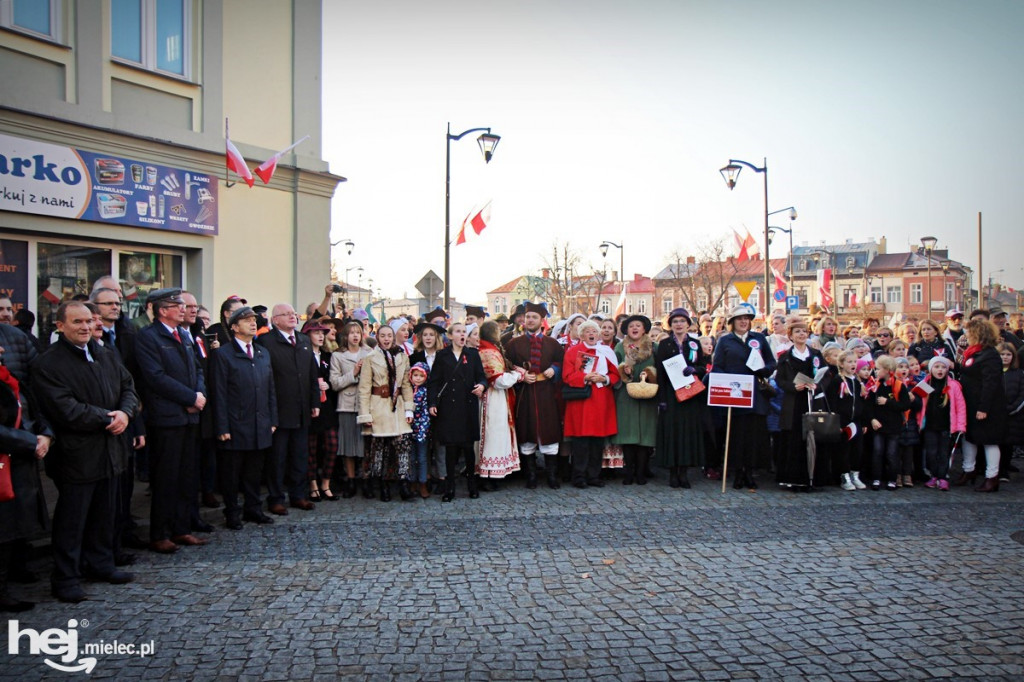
[456, 383]
[1013, 387]
[981, 377]
[797, 399]
[24, 516]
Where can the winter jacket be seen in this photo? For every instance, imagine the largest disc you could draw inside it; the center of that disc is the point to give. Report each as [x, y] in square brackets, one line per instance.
[386, 413]
[1013, 387]
[982, 383]
[731, 356]
[957, 407]
[344, 381]
[171, 377]
[891, 415]
[244, 399]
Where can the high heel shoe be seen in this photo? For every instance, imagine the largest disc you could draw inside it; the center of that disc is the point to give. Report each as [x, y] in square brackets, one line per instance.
[314, 495]
[326, 494]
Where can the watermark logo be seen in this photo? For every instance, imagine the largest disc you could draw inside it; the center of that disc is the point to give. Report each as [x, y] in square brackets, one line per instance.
[63, 645]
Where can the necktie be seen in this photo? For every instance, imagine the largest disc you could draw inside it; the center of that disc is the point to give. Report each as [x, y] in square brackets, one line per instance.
[112, 333]
[291, 340]
[177, 336]
[248, 350]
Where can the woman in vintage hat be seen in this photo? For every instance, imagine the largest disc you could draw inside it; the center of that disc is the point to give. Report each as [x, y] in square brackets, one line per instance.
[735, 352]
[681, 425]
[323, 430]
[637, 418]
[797, 400]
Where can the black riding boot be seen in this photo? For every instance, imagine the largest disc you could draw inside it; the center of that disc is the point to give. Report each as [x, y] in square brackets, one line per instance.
[629, 464]
[385, 490]
[551, 463]
[642, 456]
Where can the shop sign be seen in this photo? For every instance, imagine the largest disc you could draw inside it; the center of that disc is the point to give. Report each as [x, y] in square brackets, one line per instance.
[14, 272]
[64, 182]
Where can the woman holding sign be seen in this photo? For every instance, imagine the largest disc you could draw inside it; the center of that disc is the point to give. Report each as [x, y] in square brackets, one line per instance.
[743, 351]
[797, 369]
[682, 418]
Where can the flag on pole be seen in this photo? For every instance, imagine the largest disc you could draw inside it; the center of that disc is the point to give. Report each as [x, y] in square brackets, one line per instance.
[825, 287]
[620, 307]
[854, 300]
[477, 220]
[780, 282]
[747, 247]
[236, 163]
[266, 169]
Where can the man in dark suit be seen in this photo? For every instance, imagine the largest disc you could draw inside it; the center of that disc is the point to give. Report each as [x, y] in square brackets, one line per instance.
[245, 416]
[174, 392]
[206, 462]
[298, 401]
[89, 398]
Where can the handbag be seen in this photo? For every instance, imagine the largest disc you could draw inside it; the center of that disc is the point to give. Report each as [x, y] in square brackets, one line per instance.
[574, 393]
[824, 425]
[686, 392]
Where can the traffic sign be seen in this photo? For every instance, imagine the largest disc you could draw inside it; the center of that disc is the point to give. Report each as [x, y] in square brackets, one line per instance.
[779, 295]
[430, 286]
[792, 302]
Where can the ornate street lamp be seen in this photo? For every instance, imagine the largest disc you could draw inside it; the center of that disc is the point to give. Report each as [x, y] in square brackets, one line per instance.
[731, 173]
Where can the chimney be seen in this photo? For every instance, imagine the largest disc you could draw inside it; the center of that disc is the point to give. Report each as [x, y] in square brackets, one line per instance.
[881, 245]
[691, 260]
[545, 273]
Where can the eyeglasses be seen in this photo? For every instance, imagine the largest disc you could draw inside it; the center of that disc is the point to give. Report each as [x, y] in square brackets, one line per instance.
[288, 314]
[885, 335]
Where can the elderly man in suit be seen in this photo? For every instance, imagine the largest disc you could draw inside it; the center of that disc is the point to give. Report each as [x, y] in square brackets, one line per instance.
[174, 392]
[298, 403]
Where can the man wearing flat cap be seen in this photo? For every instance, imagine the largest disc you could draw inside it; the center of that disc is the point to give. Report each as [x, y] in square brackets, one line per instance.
[174, 392]
[538, 415]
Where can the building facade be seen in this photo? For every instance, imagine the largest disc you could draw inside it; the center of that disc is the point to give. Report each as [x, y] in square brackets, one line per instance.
[112, 149]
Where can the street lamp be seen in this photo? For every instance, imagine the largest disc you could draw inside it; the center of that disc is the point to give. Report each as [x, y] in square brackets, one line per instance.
[730, 174]
[488, 143]
[945, 264]
[929, 245]
[358, 268]
[622, 251]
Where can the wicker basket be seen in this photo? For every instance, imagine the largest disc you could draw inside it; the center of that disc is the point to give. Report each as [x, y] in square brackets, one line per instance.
[641, 390]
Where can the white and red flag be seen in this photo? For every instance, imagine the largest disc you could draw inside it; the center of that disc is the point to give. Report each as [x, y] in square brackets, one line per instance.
[266, 169]
[780, 282]
[236, 162]
[825, 287]
[747, 247]
[477, 220]
[620, 307]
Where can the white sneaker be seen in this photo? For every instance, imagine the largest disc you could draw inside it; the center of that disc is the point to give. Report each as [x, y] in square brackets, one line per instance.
[846, 483]
[855, 479]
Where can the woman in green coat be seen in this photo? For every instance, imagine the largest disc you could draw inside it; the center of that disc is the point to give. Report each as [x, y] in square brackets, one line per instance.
[638, 418]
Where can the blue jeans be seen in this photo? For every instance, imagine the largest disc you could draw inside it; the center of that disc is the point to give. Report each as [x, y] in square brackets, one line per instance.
[418, 462]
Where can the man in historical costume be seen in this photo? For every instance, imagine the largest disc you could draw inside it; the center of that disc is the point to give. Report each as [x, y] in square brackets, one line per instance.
[538, 410]
[174, 393]
[89, 398]
[475, 314]
[515, 326]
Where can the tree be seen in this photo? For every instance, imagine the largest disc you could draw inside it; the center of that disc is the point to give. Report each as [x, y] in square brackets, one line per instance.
[573, 285]
[704, 282]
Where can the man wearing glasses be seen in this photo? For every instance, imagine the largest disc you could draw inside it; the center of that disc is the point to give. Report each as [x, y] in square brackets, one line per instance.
[954, 332]
[174, 393]
[298, 403]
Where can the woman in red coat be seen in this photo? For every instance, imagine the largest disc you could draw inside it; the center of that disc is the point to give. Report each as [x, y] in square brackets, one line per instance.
[589, 421]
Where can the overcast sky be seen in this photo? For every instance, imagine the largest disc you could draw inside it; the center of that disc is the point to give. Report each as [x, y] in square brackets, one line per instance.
[898, 119]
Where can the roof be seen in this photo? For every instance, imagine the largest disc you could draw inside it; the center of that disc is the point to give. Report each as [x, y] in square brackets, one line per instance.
[638, 285]
[508, 287]
[889, 261]
[684, 270]
[852, 247]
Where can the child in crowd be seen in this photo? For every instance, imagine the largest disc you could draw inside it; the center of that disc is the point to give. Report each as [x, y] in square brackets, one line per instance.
[844, 397]
[888, 402]
[943, 412]
[418, 375]
[897, 349]
[910, 436]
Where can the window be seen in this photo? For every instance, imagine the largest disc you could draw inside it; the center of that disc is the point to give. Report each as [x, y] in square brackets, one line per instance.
[666, 304]
[641, 306]
[605, 306]
[153, 34]
[876, 294]
[39, 18]
[893, 294]
[64, 271]
[950, 293]
[702, 301]
[142, 272]
[803, 265]
[851, 262]
[916, 293]
[802, 296]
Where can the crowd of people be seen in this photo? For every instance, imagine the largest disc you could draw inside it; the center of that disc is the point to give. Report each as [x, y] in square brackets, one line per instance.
[336, 407]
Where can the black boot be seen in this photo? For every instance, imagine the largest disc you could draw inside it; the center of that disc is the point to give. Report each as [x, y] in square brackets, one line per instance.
[629, 464]
[449, 489]
[642, 456]
[349, 489]
[673, 477]
[368, 491]
[551, 465]
[385, 490]
[565, 468]
[684, 480]
[472, 483]
[403, 490]
[8, 603]
[738, 479]
[530, 461]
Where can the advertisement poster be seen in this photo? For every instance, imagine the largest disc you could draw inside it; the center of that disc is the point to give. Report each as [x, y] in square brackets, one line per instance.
[14, 271]
[730, 390]
[47, 179]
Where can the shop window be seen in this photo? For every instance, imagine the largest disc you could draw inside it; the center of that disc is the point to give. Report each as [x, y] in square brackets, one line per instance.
[65, 271]
[40, 18]
[142, 272]
[153, 34]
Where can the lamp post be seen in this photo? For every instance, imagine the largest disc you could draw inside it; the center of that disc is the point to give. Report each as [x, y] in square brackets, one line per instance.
[929, 245]
[730, 173]
[945, 264]
[622, 251]
[358, 268]
[488, 143]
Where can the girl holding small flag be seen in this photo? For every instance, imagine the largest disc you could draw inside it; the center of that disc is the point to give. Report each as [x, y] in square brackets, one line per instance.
[943, 413]
[845, 397]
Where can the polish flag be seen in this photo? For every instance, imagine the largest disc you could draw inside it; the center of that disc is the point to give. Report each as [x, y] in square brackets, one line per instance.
[825, 287]
[131, 293]
[266, 169]
[53, 293]
[477, 220]
[780, 282]
[236, 163]
[854, 299]
[747, 247]
[620, 307]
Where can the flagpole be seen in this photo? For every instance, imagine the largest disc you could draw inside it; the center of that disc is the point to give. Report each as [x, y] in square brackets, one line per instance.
[227, 169]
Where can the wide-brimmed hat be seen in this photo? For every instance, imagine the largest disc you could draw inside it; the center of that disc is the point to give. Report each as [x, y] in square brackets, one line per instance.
[742, 310]
[436, 312]
[441, 331]
[646, 321]
[314, 326]
[501, 317]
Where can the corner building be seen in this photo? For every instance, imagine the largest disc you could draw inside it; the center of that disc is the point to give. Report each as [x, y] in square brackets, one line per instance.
[112, 151]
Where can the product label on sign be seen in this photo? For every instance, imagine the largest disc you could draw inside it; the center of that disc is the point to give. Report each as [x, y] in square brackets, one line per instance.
[47, 179]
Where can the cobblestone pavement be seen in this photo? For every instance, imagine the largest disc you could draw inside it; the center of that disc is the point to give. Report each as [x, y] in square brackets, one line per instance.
[622, 583]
